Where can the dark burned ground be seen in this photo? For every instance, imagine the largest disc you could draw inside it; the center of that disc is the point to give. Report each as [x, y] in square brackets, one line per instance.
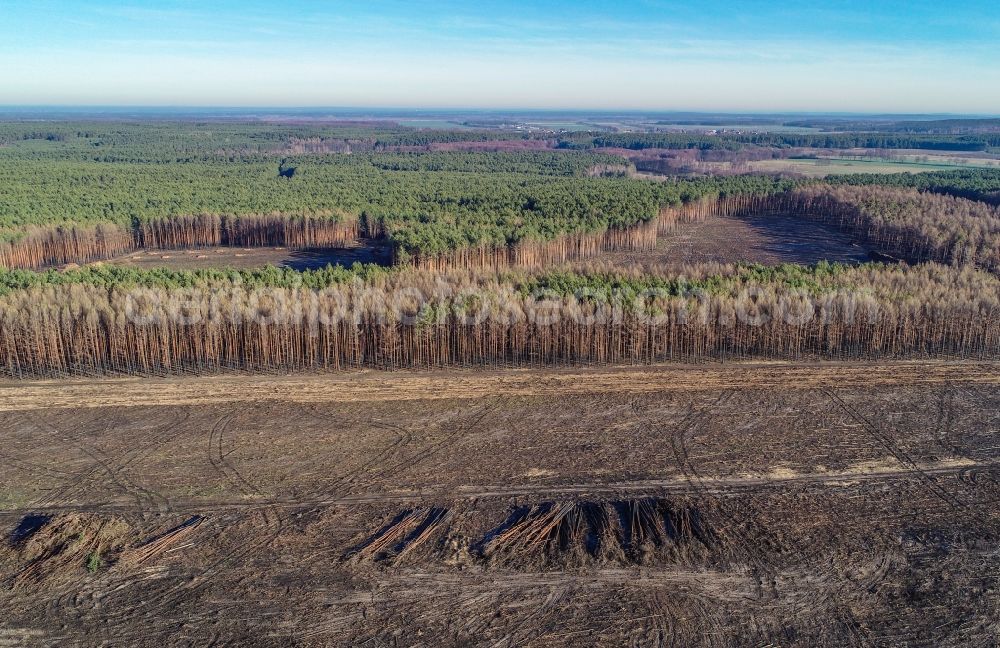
[726, 507]
[230, 257]
[766, 238]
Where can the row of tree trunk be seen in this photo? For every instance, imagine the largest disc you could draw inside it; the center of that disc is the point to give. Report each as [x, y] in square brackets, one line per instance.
[698, 211]
[54, 332]
[244, 231]
[904, 223]
[538, 254]
[67, 244]
[79, 244]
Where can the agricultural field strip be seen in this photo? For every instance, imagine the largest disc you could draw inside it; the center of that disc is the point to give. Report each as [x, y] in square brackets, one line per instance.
[373, 386]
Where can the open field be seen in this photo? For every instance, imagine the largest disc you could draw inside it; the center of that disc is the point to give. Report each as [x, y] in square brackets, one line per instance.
[795, 505]
[735, 128]
[970, 159]
[441, 124]
[822, 167]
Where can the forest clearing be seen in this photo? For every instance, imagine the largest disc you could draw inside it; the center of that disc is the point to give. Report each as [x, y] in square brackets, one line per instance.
[360, 384]
[845, 504]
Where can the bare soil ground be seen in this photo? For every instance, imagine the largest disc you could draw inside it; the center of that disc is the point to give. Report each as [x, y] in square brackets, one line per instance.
[230, 257]
[743, 505]
[768, 239]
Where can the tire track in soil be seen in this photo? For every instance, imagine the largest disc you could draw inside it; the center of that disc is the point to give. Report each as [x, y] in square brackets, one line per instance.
[704, 609]
[601, 625]
[422, 454]
[543, 592]
[146, 499]
[8, 422]
[553, 382]
[664, 623]
[679, 440]
[156, 439]
[217, 456]
[269, 512]
[470, 608]
[172, 596]
[87, 595]
[272, 521]
[838, 589]
[945, 420]
[977, 476]
[220, 444]
[403, 438]
[986, 402]
[60, 494]
[763, 573]
[98, 457]
[847, 611]
[827, 590]
[741, 485]
[525, 632]
[738, 543]
[898, 453]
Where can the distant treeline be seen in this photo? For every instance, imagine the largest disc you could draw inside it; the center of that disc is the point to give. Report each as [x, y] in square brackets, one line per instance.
[641, 141]
[929, 126]
[166, 142]
[188, 141]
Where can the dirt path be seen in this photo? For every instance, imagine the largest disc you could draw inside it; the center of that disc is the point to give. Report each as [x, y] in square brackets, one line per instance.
[372, 386]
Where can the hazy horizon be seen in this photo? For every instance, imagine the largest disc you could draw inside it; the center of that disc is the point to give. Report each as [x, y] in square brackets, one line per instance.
[642, 56]
[431, 110]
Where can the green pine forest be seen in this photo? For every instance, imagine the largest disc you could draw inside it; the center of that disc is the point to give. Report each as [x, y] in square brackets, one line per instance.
[492, 211]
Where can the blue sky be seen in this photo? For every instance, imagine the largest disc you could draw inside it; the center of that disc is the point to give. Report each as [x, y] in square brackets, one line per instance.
[914, 56]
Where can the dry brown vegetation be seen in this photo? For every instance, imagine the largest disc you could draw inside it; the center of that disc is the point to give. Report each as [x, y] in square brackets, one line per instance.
[582, 246]
[579, 532]
[548, 535]
[906, 223]
[41, 247]
[70, 543]
[427, 319]
[488, 319]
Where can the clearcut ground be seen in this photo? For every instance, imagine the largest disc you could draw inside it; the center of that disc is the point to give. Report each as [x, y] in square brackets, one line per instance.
[772, 503]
